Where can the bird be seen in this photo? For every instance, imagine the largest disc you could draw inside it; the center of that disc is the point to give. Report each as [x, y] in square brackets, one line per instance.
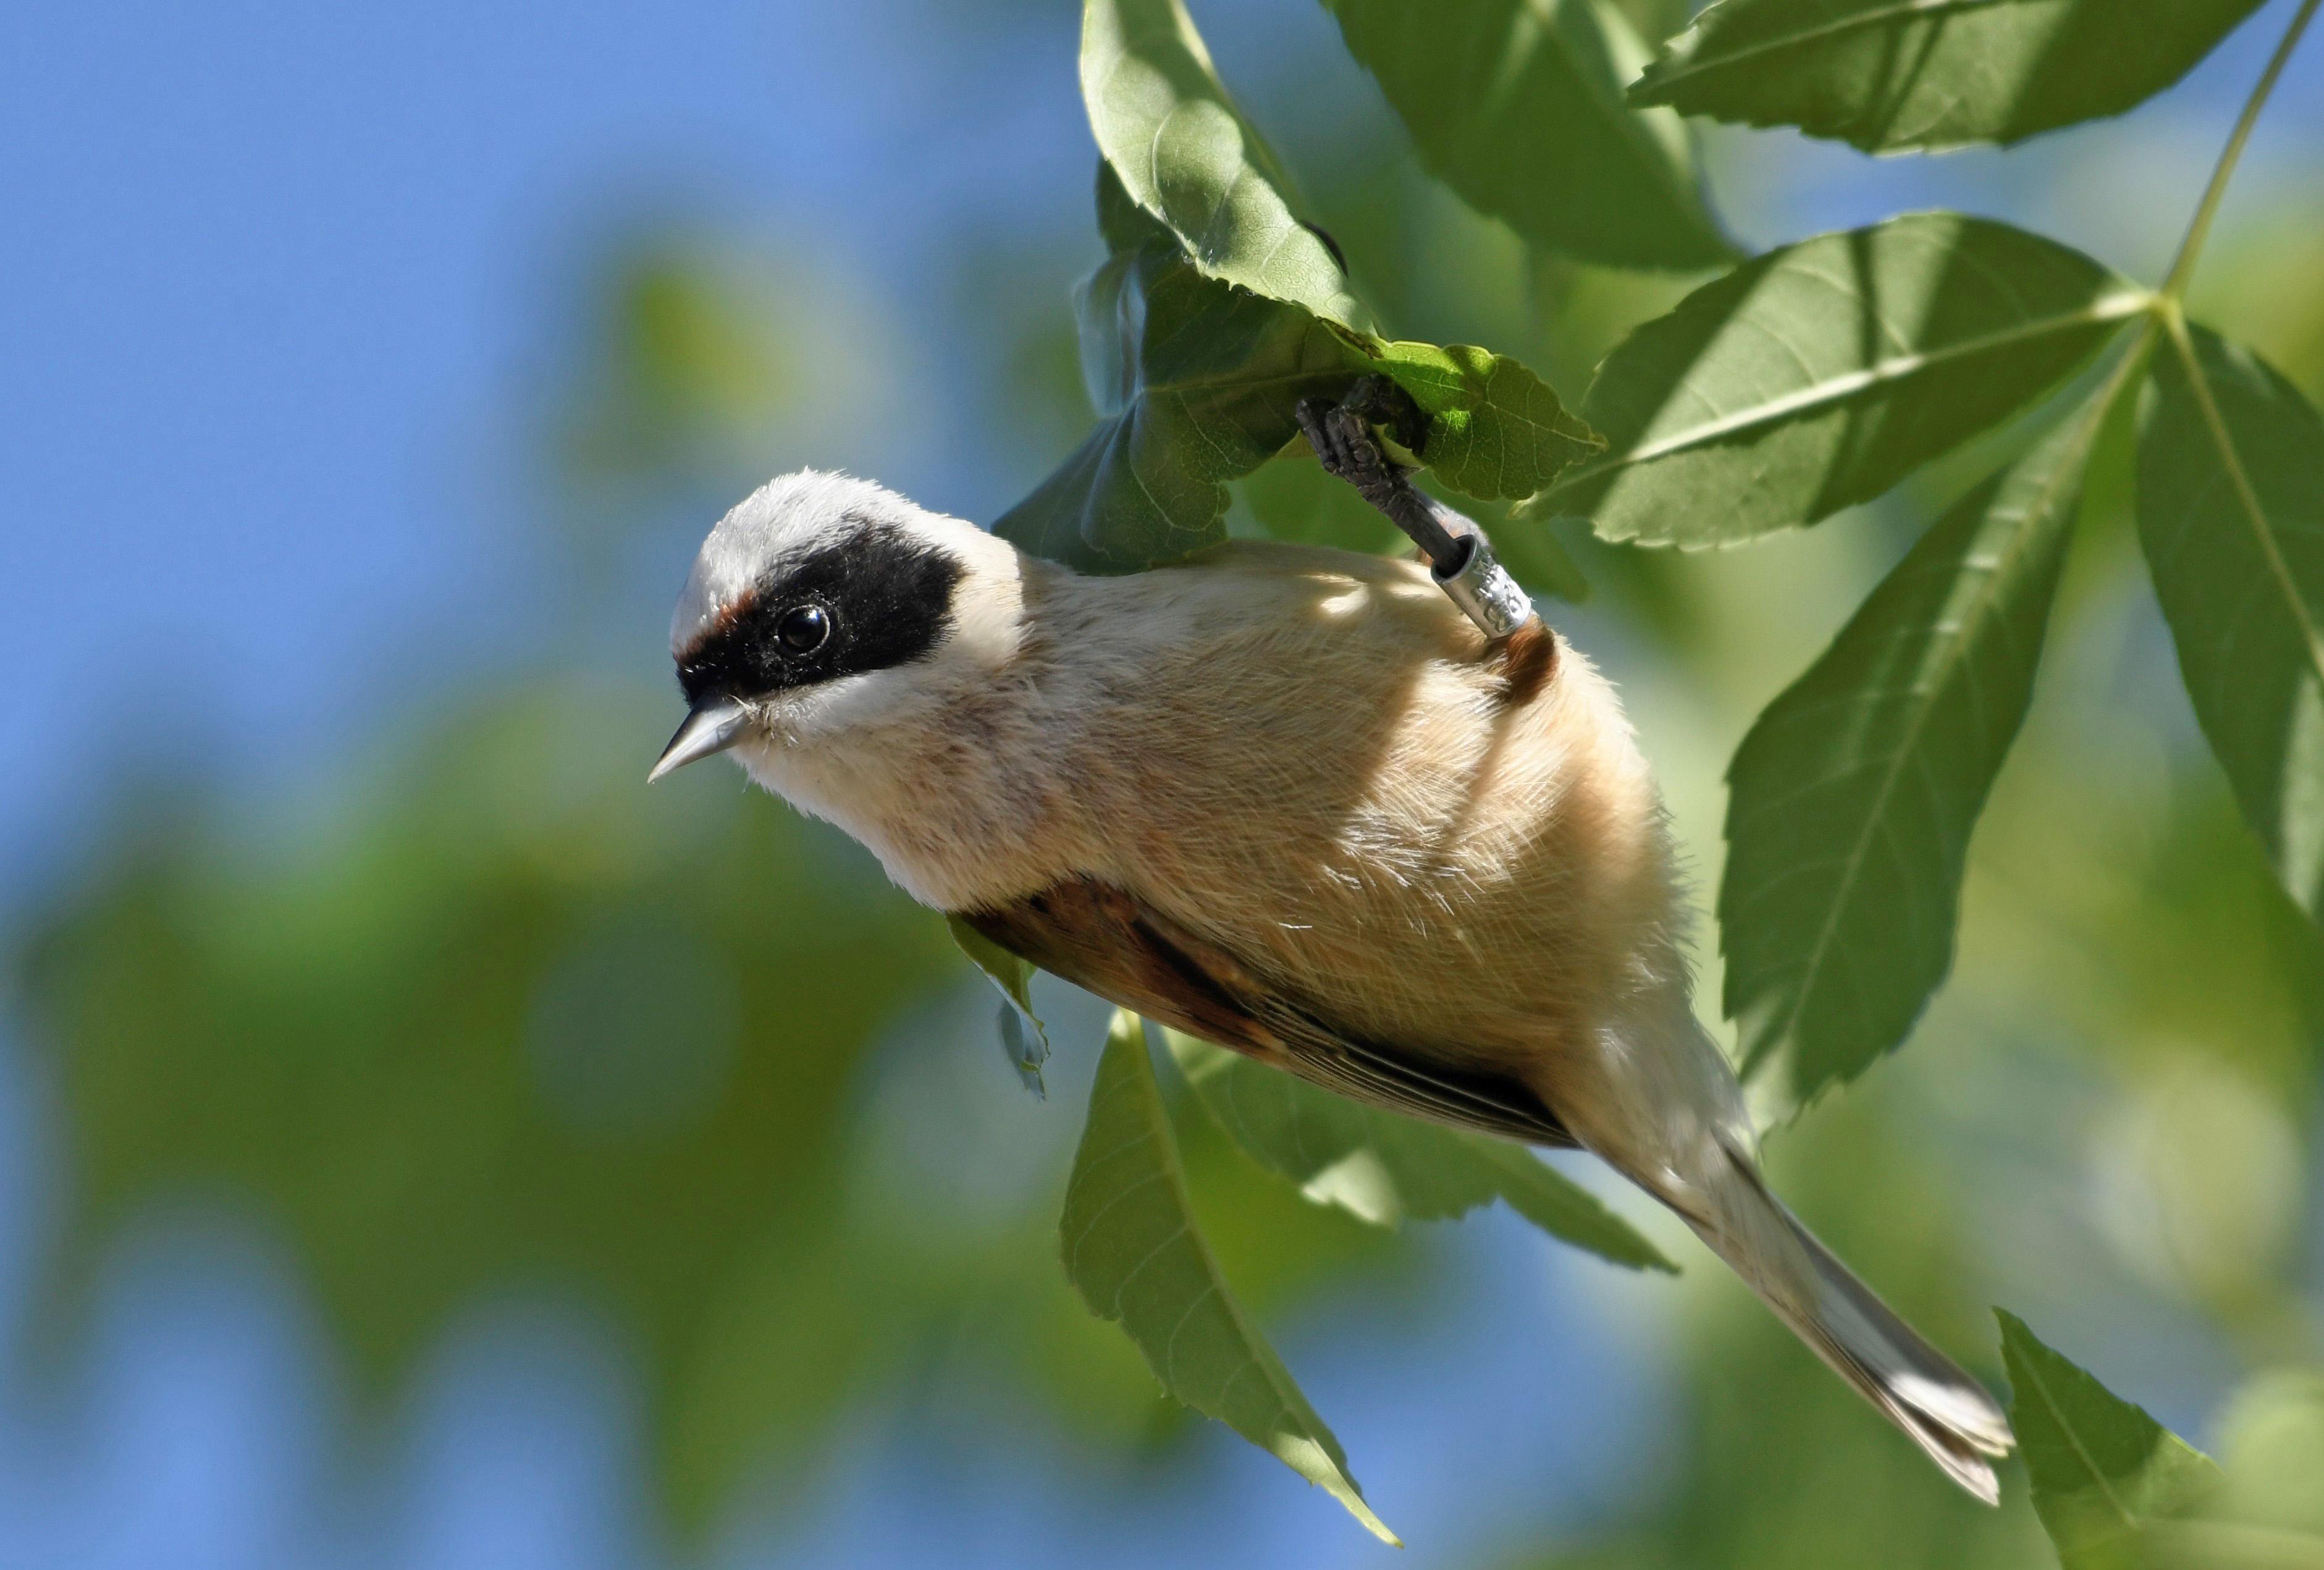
[1288, 799]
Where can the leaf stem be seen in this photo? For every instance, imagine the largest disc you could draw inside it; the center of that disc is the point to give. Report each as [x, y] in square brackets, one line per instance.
[2136, 346]
[2183, 266]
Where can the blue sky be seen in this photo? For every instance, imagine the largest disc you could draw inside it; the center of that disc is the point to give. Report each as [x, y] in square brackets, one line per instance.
[284, 291]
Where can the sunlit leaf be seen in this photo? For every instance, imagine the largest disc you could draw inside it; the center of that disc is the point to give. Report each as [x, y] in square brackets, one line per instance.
[2231, 512]
[1185, 155]
[1495, 430]
[1888, 76]
[1854, 795]
[1024, 1039]
[1818, 375]
[2104, 1474]
[1384, 1167]
[1135, 1253]
[702, 348]
[1517, 106]
[1197, 383]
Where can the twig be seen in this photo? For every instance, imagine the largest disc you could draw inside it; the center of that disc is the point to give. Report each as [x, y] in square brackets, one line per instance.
[2183, 266]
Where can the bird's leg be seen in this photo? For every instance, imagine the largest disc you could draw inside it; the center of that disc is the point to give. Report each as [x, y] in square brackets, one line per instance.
[1344, 445]
[1458, 556]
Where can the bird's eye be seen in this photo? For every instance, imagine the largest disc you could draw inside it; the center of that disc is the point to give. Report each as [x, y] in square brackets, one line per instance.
[803, 629]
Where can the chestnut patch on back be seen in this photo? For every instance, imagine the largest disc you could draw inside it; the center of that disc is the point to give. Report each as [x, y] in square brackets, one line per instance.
[1529, 659]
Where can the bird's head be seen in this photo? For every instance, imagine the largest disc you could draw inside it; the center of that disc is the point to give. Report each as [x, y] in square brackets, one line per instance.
[822, 605]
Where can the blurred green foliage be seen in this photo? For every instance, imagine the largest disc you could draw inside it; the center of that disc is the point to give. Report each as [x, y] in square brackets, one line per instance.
[507, 1019]
[701, 352]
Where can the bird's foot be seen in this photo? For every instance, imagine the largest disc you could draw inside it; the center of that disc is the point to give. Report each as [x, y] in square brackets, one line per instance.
[1342, 437]
[1344, 445]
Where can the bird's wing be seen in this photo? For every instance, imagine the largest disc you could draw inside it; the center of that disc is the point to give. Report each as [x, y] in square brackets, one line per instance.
[1103, 938]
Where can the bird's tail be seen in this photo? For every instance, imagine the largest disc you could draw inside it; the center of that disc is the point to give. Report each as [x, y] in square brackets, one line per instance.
[1940, 1407]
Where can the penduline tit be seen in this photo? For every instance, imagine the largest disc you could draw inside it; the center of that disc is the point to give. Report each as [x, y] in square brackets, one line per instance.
[1292, 800]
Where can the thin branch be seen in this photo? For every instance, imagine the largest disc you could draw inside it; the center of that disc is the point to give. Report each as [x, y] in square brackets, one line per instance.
[2183, 266]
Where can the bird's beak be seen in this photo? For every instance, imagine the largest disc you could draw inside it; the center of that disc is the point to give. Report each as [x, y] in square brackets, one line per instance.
[714, 724]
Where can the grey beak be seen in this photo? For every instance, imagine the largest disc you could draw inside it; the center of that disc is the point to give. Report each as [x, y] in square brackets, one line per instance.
[714, 724]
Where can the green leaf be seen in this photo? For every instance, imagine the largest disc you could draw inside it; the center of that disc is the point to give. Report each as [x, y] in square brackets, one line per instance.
[1185, 155]
[1854, 795]
[1517, 106]
[2104, 1473]
[2110, 473]
[2231, 513]
[1024, 1039]
[1495, 430]
[1133, 1250]
[2270, 1443]
[1196, 383]
[1889, 75]
[1382, 1167]
[1818, 375]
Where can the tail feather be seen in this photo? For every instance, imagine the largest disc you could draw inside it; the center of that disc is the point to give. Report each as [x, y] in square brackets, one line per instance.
[1938, 1405]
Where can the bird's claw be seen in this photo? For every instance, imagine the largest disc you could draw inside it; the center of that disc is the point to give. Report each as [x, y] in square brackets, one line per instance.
[1342, 433]
[1344, 446]
[1380, 401]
